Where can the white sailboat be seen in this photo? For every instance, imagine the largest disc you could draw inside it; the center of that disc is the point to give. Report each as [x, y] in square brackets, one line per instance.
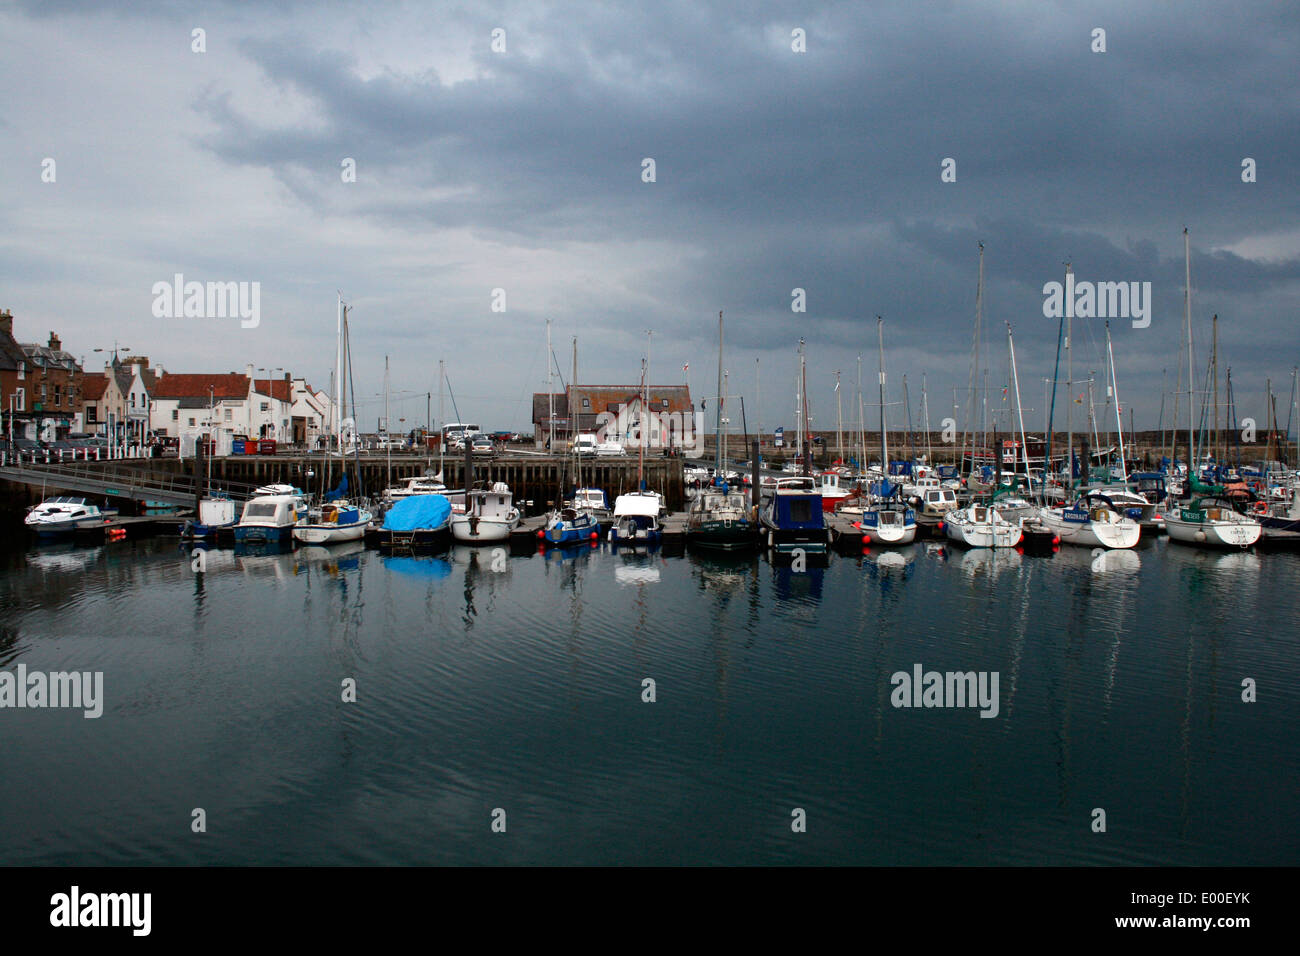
[1209, 520]
[1084, 522]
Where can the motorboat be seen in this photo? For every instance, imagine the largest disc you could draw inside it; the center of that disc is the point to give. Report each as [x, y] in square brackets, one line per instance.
[636, 518]
[270, 518]
[791, 517]
[483, 515]
[719, 519]
[65, 514]
[336, 521]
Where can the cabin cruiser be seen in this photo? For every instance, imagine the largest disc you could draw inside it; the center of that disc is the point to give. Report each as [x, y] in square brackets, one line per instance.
[335, 522]
[65, 514]
[791, 517]
[270, 518]
[215, 513]
[719, 519]
[418, 485]
[934, 503]
[636, 518]
[594, 502]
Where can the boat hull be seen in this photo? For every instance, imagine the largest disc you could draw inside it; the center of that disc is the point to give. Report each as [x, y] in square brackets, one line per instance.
[320, 534]
[982, 534]
[1092, 534]
[483, 530]
[721, 535]
[1213, 534]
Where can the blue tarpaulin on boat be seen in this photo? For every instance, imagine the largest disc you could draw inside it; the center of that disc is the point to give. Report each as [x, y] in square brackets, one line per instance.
[418, 512]
[339, 492]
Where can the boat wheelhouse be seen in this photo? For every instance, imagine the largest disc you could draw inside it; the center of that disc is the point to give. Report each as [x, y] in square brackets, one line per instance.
[791, 517]
[270, 518]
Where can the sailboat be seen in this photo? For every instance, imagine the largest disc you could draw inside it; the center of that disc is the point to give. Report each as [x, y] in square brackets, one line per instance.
[888, 520]
[1208, 520]
[572, 522]
[1083, 521]
[791, 517]
[636, 513]
[338, 519]
[719, 517]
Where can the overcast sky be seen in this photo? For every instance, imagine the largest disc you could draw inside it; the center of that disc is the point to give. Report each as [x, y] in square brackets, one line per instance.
[774, 170]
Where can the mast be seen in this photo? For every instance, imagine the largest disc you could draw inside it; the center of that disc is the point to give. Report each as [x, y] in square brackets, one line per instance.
[338, 379]
[925, 415]
[717, 410]
[1119, 420]
[388, 445]
[1187, 318]
[1020, 414]
[645, 412]
[799, 402]
[442, 421]
[573, 424]
[975, 361]
[911, 435]
[884, 438]
[758, 409]
[1214, 366]
[1069, 389]
[839, 420]
[550, 396]
[862, 425]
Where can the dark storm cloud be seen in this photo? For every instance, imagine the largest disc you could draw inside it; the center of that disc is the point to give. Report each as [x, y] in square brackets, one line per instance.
[820, 170]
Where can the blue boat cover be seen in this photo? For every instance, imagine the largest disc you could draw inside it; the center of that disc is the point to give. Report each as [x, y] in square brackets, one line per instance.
[339, 492]
[418, 513]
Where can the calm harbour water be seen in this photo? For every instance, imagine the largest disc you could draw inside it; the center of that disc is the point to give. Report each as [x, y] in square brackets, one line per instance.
[486, 681]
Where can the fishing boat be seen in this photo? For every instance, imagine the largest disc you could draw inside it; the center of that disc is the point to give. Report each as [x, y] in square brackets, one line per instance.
[569, 526]
[270, 518]
[216, 512]
[64, 514]
[1212, 522]
[718, 519]
[484, 514]
[791, 517]
[337, 521]
[636, 518]
[1280, 523]
[981, 526]
[415, 522]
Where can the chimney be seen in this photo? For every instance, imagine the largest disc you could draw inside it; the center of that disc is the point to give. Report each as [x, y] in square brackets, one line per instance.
[249, 370]
[6, 322]
[55, 344]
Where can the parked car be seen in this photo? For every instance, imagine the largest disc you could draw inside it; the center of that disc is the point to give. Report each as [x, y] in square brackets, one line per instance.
[482, 445]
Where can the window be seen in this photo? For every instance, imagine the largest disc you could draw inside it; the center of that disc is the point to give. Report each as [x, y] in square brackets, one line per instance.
[58, 394]
[228, 413]
[586, 403]
[20, 399]
[90, 414]
[191, 423]
[176, 415]
[133, 399]
[266, 406]
[22, 371]
[665, 403]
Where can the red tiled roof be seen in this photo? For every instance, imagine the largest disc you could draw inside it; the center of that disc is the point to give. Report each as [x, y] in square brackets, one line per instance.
[277, 388]
[93, 387]
[227, 385]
